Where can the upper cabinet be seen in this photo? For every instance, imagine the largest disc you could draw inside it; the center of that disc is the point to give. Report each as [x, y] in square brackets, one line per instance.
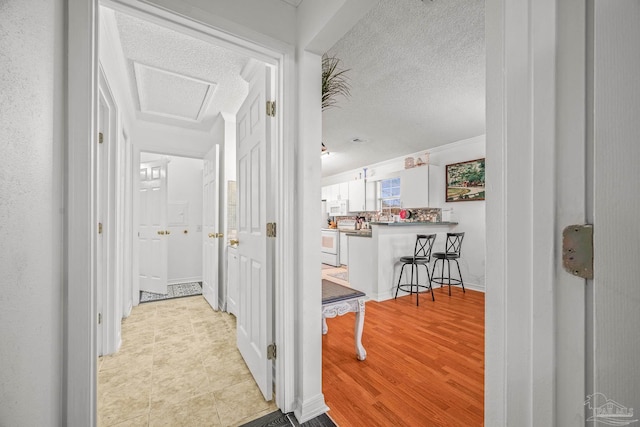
[414, 187]
[362, 195]
[336, 191]
[357, 201]
[343, 191]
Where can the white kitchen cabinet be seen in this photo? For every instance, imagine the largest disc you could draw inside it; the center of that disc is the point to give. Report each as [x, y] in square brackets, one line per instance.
[371, 195]
[325, 193]
[336, 191]
[344, 248]
[332, 192]
[414, 187]
[343, 191]
[233, 277]
[362, 195]
[357, 199]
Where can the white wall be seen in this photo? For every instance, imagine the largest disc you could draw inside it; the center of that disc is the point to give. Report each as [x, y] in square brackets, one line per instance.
[273, 18]
[160, 138]
[32, 135]
[184, 185]
[469, 215]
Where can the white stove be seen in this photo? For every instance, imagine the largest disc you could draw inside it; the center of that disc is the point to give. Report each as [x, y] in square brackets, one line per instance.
[347, 224]
[330, 239]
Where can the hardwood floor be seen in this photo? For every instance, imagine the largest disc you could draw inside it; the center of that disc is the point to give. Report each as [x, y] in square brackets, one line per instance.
[424, 366]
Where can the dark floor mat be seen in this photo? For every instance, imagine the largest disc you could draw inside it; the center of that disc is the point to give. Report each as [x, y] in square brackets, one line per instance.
[278, 419]
[274, 419]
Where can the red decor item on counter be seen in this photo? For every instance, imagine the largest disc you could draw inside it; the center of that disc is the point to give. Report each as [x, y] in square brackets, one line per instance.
[405, 214]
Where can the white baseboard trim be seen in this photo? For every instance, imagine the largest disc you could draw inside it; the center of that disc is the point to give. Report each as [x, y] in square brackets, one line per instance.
[471, 286]
[185, 280]
[310, 409]
[127, 312]
[383, 296]
[390, 294]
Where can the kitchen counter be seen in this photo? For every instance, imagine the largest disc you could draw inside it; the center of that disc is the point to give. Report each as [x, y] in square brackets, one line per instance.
[416, 223]
[374, 261]
[359, 233]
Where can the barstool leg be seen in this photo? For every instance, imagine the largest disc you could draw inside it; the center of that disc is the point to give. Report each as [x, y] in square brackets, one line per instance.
[429, 278]
[399, 279]
[417, 286]
[460, 273]
[449, 270]
[411, 281]
[433, 271]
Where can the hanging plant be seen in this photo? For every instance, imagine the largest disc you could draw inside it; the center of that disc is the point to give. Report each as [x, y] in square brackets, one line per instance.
[334, 81]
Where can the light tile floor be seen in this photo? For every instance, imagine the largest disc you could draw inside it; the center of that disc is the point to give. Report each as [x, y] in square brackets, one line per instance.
[178, 366]
[328, 270]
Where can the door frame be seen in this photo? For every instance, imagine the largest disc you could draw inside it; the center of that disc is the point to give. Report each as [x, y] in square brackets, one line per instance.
[516, 29]
[111, 220]
[535, 311]
[80, 370]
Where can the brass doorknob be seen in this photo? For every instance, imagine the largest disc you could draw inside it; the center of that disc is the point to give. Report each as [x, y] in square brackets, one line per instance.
[220, 235]
[161, 232]
[211, 235]
[167, 232]
[234, 242]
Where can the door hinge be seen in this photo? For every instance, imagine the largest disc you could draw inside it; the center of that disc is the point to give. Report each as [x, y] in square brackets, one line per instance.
[577, 250]
[99, 318]
[99, 228]
[271, 229]
[271, 108]
[100, 138]
[271, 352]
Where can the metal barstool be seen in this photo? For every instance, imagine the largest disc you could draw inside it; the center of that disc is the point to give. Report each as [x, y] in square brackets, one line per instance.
[452, 253]
[421, 256]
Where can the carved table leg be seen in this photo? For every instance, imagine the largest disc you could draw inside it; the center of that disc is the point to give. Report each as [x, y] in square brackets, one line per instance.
[325, 328]
[360, 351]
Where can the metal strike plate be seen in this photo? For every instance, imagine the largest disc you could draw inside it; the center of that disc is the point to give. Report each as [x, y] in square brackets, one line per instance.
[577, 250]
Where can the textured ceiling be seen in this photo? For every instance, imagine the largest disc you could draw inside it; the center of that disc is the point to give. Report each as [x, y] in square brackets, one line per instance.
[417, 77]
[177, 79]
[171, 95]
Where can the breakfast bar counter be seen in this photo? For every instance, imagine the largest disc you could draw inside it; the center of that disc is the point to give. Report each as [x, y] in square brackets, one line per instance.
[374, 261]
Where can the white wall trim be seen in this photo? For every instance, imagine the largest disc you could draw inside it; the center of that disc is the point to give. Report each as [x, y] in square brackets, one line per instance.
[520, 386]
[185, 280]
[467, 285]
[79, 394]
[112, 221]
[310, 408]
[285, 294]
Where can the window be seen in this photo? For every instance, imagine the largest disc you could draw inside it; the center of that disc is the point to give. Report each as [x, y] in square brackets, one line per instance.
[390, 193]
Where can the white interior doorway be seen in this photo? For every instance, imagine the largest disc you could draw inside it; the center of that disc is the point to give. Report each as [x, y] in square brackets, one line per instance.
[141, 137]
[182, 226]
[153, 244]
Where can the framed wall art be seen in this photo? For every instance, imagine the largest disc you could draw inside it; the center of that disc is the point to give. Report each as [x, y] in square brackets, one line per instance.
[465, 181]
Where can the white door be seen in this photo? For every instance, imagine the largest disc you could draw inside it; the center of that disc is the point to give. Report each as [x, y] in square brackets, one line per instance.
[152, 230]
[615, 291]
[232, 280]
[254, 321]
[210, 235]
